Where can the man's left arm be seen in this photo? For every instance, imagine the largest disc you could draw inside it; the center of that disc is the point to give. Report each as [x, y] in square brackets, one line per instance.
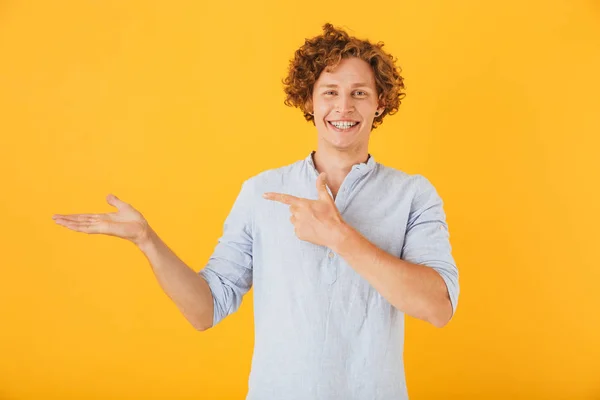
[423, 282]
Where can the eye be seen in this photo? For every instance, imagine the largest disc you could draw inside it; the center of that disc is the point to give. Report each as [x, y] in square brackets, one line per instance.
[363, 93]
[329, 91]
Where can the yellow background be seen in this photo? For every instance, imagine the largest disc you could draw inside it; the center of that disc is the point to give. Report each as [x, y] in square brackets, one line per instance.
[171, 105]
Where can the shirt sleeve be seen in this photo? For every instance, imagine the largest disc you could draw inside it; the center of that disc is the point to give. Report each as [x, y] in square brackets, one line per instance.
[427, 238]
[229, 269]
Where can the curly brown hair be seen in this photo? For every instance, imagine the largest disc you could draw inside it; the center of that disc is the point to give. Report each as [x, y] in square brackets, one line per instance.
[325, 52]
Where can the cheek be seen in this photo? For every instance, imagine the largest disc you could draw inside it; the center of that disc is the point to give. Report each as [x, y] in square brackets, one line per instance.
[366, 108]
[322, 107]
[321, 112]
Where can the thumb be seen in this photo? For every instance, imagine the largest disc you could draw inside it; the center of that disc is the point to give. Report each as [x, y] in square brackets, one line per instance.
[322, 187]
[115, 202]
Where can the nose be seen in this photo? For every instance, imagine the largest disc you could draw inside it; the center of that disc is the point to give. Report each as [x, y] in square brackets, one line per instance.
[345, 104]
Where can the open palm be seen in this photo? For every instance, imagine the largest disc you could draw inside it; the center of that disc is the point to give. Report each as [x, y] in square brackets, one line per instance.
[126, 223]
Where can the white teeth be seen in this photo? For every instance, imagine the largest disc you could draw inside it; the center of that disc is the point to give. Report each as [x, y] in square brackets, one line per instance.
[343, 125]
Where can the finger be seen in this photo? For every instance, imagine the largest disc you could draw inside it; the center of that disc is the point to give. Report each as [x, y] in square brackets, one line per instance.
[82, 225]
[282, 198]
[115, 202]
[77, 217]
[293, 219]
[322, 187]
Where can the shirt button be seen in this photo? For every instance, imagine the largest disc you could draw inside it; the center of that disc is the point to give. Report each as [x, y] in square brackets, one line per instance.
[330, 255]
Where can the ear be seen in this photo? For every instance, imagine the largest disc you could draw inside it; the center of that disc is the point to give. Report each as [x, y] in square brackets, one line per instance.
[381, 104]
[308, 106]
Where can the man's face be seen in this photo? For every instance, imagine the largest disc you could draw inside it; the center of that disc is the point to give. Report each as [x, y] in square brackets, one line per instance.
[346, 97]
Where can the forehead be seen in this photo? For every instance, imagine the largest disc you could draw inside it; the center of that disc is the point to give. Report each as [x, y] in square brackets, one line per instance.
[350, 71]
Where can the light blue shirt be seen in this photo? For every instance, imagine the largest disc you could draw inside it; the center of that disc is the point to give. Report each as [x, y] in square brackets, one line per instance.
[322, 332]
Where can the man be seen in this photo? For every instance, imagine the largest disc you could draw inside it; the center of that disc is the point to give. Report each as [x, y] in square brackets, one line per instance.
[337, 246]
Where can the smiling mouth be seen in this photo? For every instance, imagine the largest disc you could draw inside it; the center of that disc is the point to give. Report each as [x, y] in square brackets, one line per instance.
[343, 127]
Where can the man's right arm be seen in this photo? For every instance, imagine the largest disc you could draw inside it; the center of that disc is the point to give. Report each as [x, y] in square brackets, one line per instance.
[188, 290]
[205, 298]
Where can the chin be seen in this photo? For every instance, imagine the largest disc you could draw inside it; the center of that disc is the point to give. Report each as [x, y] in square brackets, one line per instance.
[338, 144]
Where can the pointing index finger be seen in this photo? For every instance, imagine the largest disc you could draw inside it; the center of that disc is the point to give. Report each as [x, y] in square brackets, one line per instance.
[282, 198]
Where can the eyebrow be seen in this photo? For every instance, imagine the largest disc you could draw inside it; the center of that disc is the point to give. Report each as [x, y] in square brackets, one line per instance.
[333, 85]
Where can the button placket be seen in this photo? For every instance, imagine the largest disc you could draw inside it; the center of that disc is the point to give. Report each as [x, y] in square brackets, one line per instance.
[329, 265]
[341, 199]
[330, 270]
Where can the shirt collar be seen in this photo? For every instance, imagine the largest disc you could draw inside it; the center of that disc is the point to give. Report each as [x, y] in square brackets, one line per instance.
[363, 167]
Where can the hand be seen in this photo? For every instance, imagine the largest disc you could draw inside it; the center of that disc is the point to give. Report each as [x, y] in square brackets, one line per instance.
[126, 223]
[315, 221]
